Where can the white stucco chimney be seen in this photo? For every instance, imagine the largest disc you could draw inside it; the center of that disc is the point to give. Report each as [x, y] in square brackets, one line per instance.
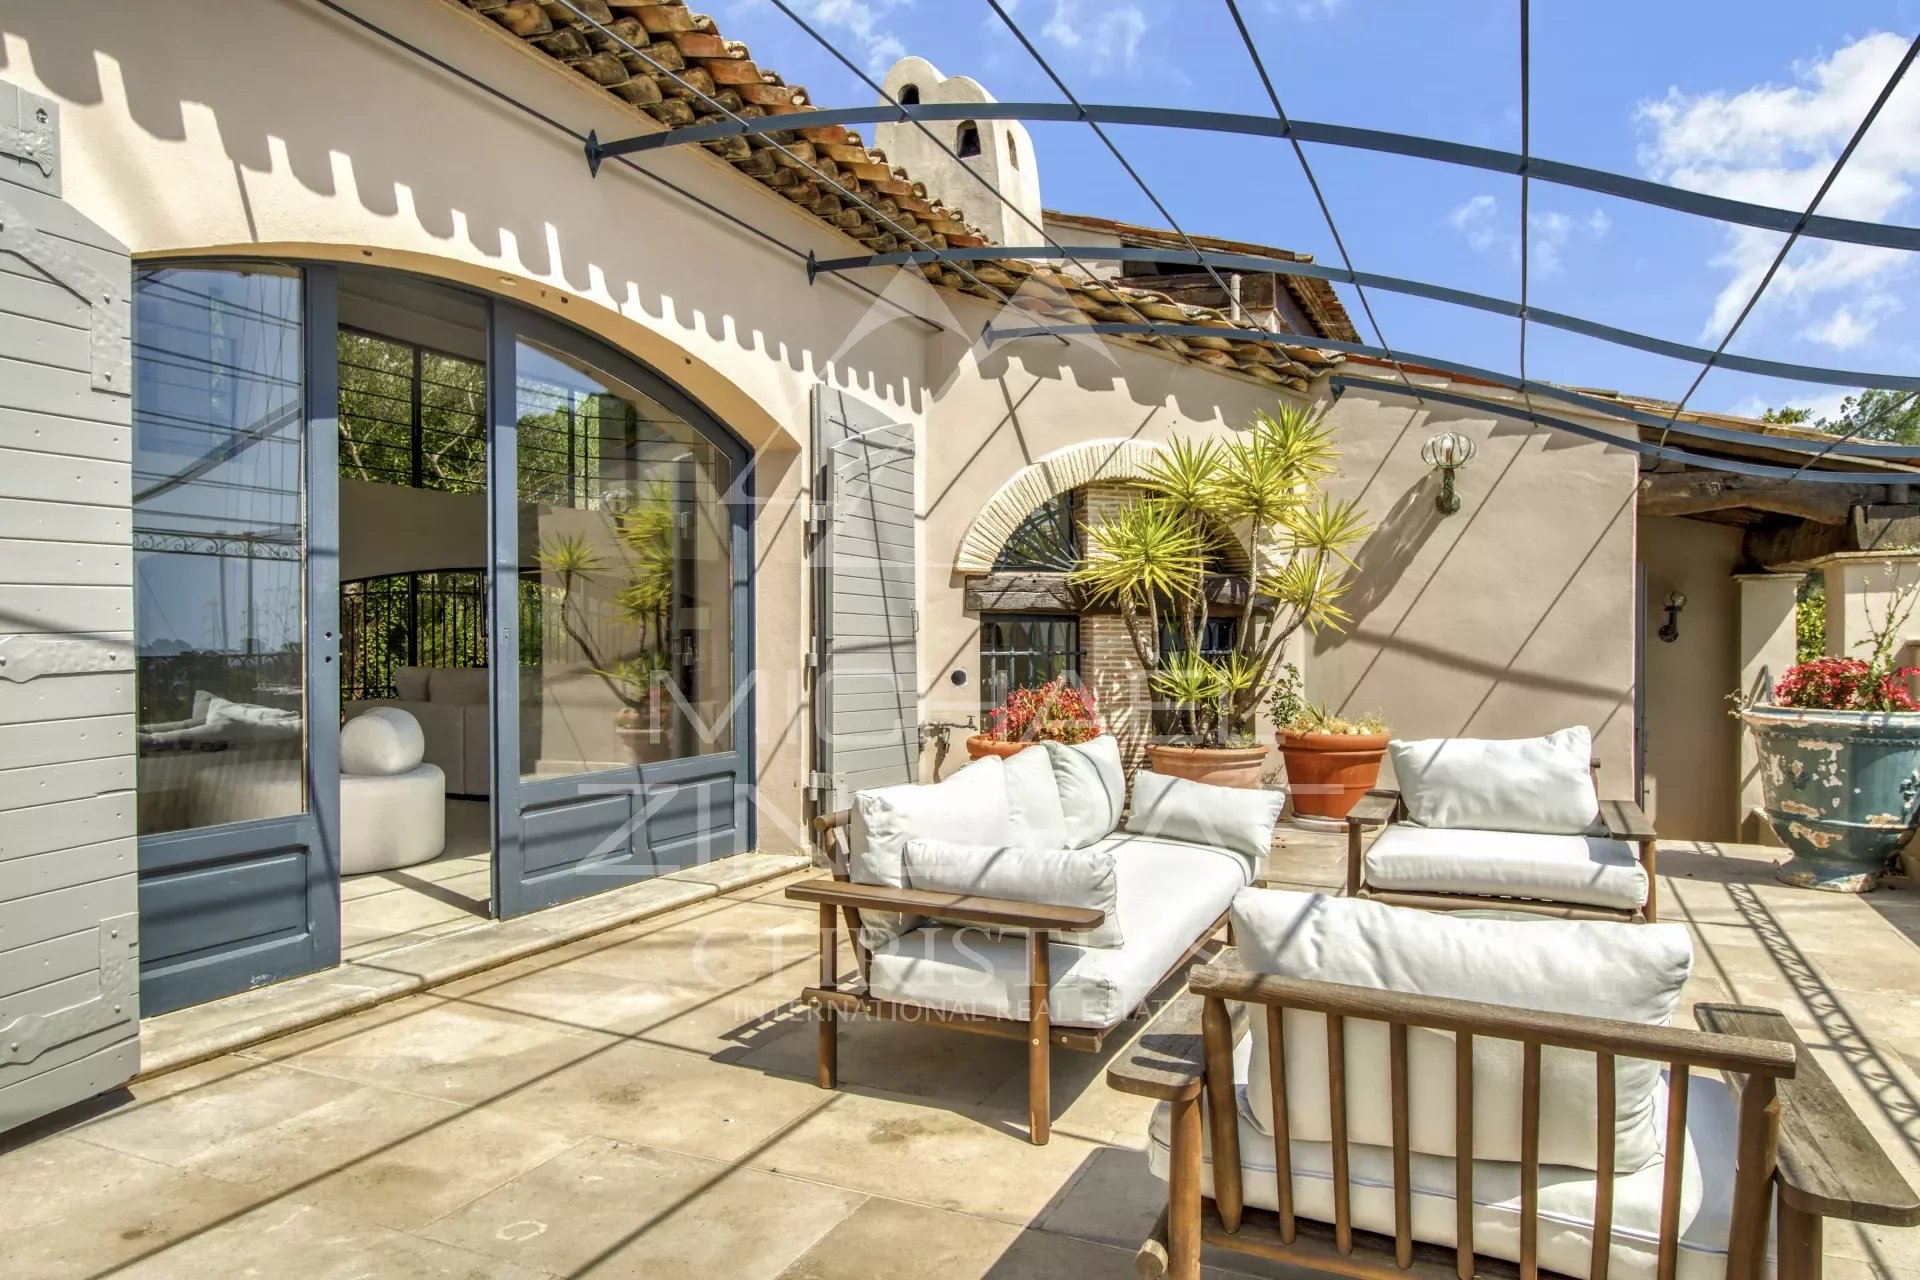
[998, 151]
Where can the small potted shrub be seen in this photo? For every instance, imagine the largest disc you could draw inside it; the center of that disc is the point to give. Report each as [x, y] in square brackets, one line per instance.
[1055, 710]
[1839, 749]
[1331, 761]
[1157, 560]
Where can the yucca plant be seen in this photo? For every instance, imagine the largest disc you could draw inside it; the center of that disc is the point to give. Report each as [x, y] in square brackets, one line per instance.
[1150, 560]
[634, 574]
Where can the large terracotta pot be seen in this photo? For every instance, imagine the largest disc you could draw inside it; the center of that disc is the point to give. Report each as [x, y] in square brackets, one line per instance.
[979, 746]
[1220, 766]
[1327, 773]
[1842, 790]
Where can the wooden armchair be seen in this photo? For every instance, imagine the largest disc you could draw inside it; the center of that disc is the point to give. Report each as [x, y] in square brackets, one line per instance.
[1622, 819]
[835, 997]
[1801, 1152]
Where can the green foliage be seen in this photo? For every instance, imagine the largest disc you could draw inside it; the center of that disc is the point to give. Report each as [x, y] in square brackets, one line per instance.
[1810, 618]
[1891, 417]
[633, 571]
[1151, 560]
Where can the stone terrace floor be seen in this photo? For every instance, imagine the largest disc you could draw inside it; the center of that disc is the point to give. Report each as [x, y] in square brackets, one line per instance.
[642, 1103]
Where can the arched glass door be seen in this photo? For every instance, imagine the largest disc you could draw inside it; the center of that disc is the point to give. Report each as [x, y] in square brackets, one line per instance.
[621, 535]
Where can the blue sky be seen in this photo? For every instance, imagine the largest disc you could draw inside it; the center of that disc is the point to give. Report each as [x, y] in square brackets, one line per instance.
[1751, 99]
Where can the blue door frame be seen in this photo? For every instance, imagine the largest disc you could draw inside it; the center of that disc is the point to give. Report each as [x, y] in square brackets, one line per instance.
[227, 908]
[561, 838]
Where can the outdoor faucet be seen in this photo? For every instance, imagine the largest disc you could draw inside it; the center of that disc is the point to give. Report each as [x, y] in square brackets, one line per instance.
[941, 732]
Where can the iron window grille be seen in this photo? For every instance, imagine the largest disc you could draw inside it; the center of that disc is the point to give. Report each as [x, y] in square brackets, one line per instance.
[1047, 541]
[1018, 650]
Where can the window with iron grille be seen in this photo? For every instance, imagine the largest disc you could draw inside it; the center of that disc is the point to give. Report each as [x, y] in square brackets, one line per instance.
[410, 415]
[430, 618]
[1023, 649]
[1047, 541]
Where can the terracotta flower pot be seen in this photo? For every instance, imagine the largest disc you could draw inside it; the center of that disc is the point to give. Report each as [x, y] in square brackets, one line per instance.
[1219, 766]
[1327, 773]
[980, 746]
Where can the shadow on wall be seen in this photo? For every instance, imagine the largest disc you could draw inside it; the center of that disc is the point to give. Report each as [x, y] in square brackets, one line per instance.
[387, 146]
[1387, 554]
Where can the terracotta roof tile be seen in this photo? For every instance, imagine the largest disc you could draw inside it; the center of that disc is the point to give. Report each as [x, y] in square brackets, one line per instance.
[712, 75]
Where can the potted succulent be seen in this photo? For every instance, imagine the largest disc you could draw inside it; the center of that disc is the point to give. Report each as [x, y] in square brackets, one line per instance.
[1839, 751]
[1331, 760]
[1156, 559]
[1057, 710]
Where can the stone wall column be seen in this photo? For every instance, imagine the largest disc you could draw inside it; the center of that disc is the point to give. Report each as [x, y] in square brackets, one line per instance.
[1768, 644]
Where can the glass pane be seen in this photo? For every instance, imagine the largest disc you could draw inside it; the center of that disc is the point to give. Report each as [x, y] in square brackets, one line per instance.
[626, 539]
[218, 535]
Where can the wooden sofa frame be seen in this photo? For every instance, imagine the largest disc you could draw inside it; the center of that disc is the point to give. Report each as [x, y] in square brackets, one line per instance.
[835, 998]
[1381, 807]
[1801, 1151]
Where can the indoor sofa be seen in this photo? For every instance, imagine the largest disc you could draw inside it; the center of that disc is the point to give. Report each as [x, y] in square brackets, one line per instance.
[452, 707]
[1023, 898]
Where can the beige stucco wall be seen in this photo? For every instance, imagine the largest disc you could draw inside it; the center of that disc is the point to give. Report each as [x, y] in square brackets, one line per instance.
[1693, 744]
[1513, 617]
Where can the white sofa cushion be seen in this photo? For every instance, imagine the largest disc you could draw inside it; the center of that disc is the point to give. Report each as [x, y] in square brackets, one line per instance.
[1566, 1195]
[972, 802]
[1589, 870]
[1060, 877]
[410, 683]
[1033, 802]
[1093, 787]
[1237, 818]
[1632, 972]
[380, 742]
[1520, 784]
[1169, 895]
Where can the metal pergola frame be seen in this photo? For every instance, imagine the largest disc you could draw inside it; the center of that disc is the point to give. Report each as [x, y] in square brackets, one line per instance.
[1808, 223]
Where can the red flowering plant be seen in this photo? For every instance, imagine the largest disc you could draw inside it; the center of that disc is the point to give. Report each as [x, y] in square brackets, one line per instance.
[1873, 683]
[1846, 684]
[1058, 710]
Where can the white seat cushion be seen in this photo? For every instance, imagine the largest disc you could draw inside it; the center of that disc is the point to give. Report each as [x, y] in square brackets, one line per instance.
[1484, 784]
[1033, 802]
[1566, 1195]
[1169, 894]
[1628, 972]
[1058, 877]
[1586, 870]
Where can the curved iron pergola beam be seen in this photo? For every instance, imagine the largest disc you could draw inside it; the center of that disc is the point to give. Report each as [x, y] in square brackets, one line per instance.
[1341, 382]
[1392, 284]
[1593, 404]
[1847, 230]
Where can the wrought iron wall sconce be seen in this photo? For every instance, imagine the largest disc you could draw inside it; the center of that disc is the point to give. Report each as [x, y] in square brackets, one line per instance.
[1670, 631]
[1446, 453]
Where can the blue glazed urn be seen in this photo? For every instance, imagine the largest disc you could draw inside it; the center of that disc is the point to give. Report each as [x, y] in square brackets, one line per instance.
[1842, 790]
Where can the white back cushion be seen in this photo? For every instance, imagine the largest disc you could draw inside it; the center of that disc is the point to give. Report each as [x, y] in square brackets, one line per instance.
[973, 801]
[1033, 802]
[1059, 877]
[381, 741]
[410, 684]
[1632, 972]
[1090, 800]
[1237, 818]
[468, 686]
[1520, 784]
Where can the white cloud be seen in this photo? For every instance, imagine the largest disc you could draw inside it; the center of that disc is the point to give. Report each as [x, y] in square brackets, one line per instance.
[1849, 325]
[1479, 220]
[1774, 144]
[1308, 10]
[864, 20]
[1111, 34]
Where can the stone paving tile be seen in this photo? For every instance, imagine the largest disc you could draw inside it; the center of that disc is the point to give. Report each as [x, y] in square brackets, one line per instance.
[665, 1098]
[288, 1238]
[610, 1209]
[70, 1209]
[390, 1158]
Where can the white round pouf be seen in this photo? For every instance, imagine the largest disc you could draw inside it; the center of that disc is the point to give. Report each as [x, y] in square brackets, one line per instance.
[392, 820]
[381, 740]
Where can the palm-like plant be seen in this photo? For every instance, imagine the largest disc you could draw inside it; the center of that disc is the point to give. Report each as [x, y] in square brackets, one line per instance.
[1150, 560]
[641, 590]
